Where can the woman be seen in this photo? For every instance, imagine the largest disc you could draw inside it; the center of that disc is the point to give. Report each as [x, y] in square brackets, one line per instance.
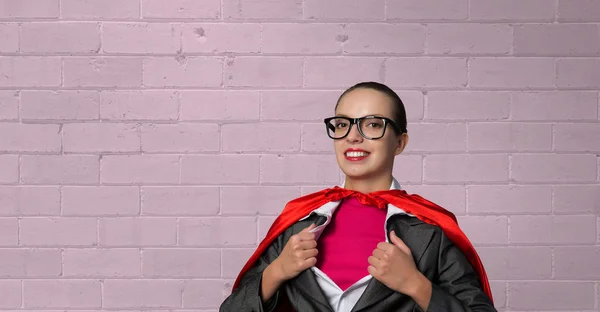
[365, 246]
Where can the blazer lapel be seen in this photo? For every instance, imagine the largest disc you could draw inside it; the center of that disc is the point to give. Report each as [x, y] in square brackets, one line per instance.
[306, 282]
[416, 237]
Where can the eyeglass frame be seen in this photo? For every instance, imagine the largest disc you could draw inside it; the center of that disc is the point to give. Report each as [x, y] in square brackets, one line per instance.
[356, 121]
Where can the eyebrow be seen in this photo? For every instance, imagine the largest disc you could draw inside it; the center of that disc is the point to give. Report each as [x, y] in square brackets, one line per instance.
[374, 115]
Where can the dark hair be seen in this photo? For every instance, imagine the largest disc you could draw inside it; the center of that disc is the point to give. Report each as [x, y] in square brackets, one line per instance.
[399, 110]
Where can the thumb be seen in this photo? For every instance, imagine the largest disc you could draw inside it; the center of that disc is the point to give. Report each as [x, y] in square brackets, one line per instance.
[398, 242]
[307, 229]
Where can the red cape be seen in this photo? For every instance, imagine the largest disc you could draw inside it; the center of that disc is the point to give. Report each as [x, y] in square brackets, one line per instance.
[416, 205]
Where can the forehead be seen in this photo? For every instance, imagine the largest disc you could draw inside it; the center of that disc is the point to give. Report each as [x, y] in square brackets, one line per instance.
[363, 102]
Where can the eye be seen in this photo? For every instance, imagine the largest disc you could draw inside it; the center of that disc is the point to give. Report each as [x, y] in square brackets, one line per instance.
[374, 125]
[341, 125]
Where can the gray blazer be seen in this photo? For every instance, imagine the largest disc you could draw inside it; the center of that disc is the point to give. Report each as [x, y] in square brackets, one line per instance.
[456, 286]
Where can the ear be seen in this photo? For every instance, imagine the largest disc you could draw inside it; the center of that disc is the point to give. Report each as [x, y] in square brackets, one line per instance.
[402, 142]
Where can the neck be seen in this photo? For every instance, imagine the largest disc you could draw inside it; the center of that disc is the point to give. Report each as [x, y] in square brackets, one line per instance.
[368, 185]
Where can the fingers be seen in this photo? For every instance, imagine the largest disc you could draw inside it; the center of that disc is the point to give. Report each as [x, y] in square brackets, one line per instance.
[310, 227]
[378, 253]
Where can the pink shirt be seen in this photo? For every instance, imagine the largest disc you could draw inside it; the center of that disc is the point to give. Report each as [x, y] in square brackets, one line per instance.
[347, 242]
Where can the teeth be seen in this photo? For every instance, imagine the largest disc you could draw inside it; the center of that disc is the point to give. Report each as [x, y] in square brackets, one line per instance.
[357, 154]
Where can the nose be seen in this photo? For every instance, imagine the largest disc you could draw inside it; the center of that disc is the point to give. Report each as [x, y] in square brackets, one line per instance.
[354, 136]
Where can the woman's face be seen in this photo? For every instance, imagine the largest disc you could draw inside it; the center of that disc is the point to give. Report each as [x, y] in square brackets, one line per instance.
[361, 158]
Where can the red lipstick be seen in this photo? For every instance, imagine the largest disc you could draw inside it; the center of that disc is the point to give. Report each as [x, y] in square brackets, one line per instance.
[356, 154]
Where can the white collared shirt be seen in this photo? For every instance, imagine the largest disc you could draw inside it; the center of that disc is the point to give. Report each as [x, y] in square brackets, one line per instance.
[339, 300]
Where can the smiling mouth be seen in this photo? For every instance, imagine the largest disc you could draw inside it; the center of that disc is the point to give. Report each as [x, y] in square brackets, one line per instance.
[355, 155]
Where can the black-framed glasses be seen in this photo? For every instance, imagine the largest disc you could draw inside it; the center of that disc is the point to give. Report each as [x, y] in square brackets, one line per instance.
[370, 127]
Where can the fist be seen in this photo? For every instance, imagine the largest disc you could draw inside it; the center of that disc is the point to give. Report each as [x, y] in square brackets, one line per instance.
[393, 265]
[299, 254]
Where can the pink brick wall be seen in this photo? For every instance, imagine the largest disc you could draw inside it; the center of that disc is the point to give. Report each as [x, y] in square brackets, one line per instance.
[145, 145]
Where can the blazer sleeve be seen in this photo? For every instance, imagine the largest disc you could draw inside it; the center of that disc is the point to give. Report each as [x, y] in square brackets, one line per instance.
[246, 298]
[457, 287]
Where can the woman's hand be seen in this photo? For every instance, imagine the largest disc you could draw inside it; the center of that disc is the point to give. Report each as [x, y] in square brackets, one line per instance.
[299, 254]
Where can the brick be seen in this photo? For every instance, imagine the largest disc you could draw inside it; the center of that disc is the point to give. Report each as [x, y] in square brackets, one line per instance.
[553, 230]
[102, 72]
[501, 136]
[469, 39]
[132, 38]
[545, 39]
[408, 168]
[142, 294]
[576, 199]
[554, 105]
[52, 37]
[577, 137]
[297, 105]
[414, 104]
[301, 38]
[553, 167]
[526, 10]
[59, 105]
[264, 223]
[315, 139]
[219, 105]
[233, 260]
[499, 293]
[180, 200]
[578, 11]
[543, 294]
[19, 137]
[9, 232]
[101, 137]
[30, 71]
[266, 200]
[100, 200]
[578, 73]
[299, 169]
[344, 10]
[260, 137]
[183, 72]
[183, 138]
[485, 230]
[259, 9]
[9, 37]
[9, 105]
[432, 137]
[577, 262]
[136, 232]
[30, 263]
[341, 72]
[264, 72]
[466, 168]
[467, 105]
[9, 168]
[426, 72]
[100, 9]
[29, 200]
[205, 293]
[383, 38]
[205, 9]
[29, 9]
[142, 169]
[517, 263]
[62, 294]
[509, 199]
[217, 232]
[451, 197]
[427, 9]
[139, 105]
[221, 38]
[58, 232]
[11, 294]
[101, 263]
[511, 72]
[220, 169]
[59, 169]
[181, 263]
